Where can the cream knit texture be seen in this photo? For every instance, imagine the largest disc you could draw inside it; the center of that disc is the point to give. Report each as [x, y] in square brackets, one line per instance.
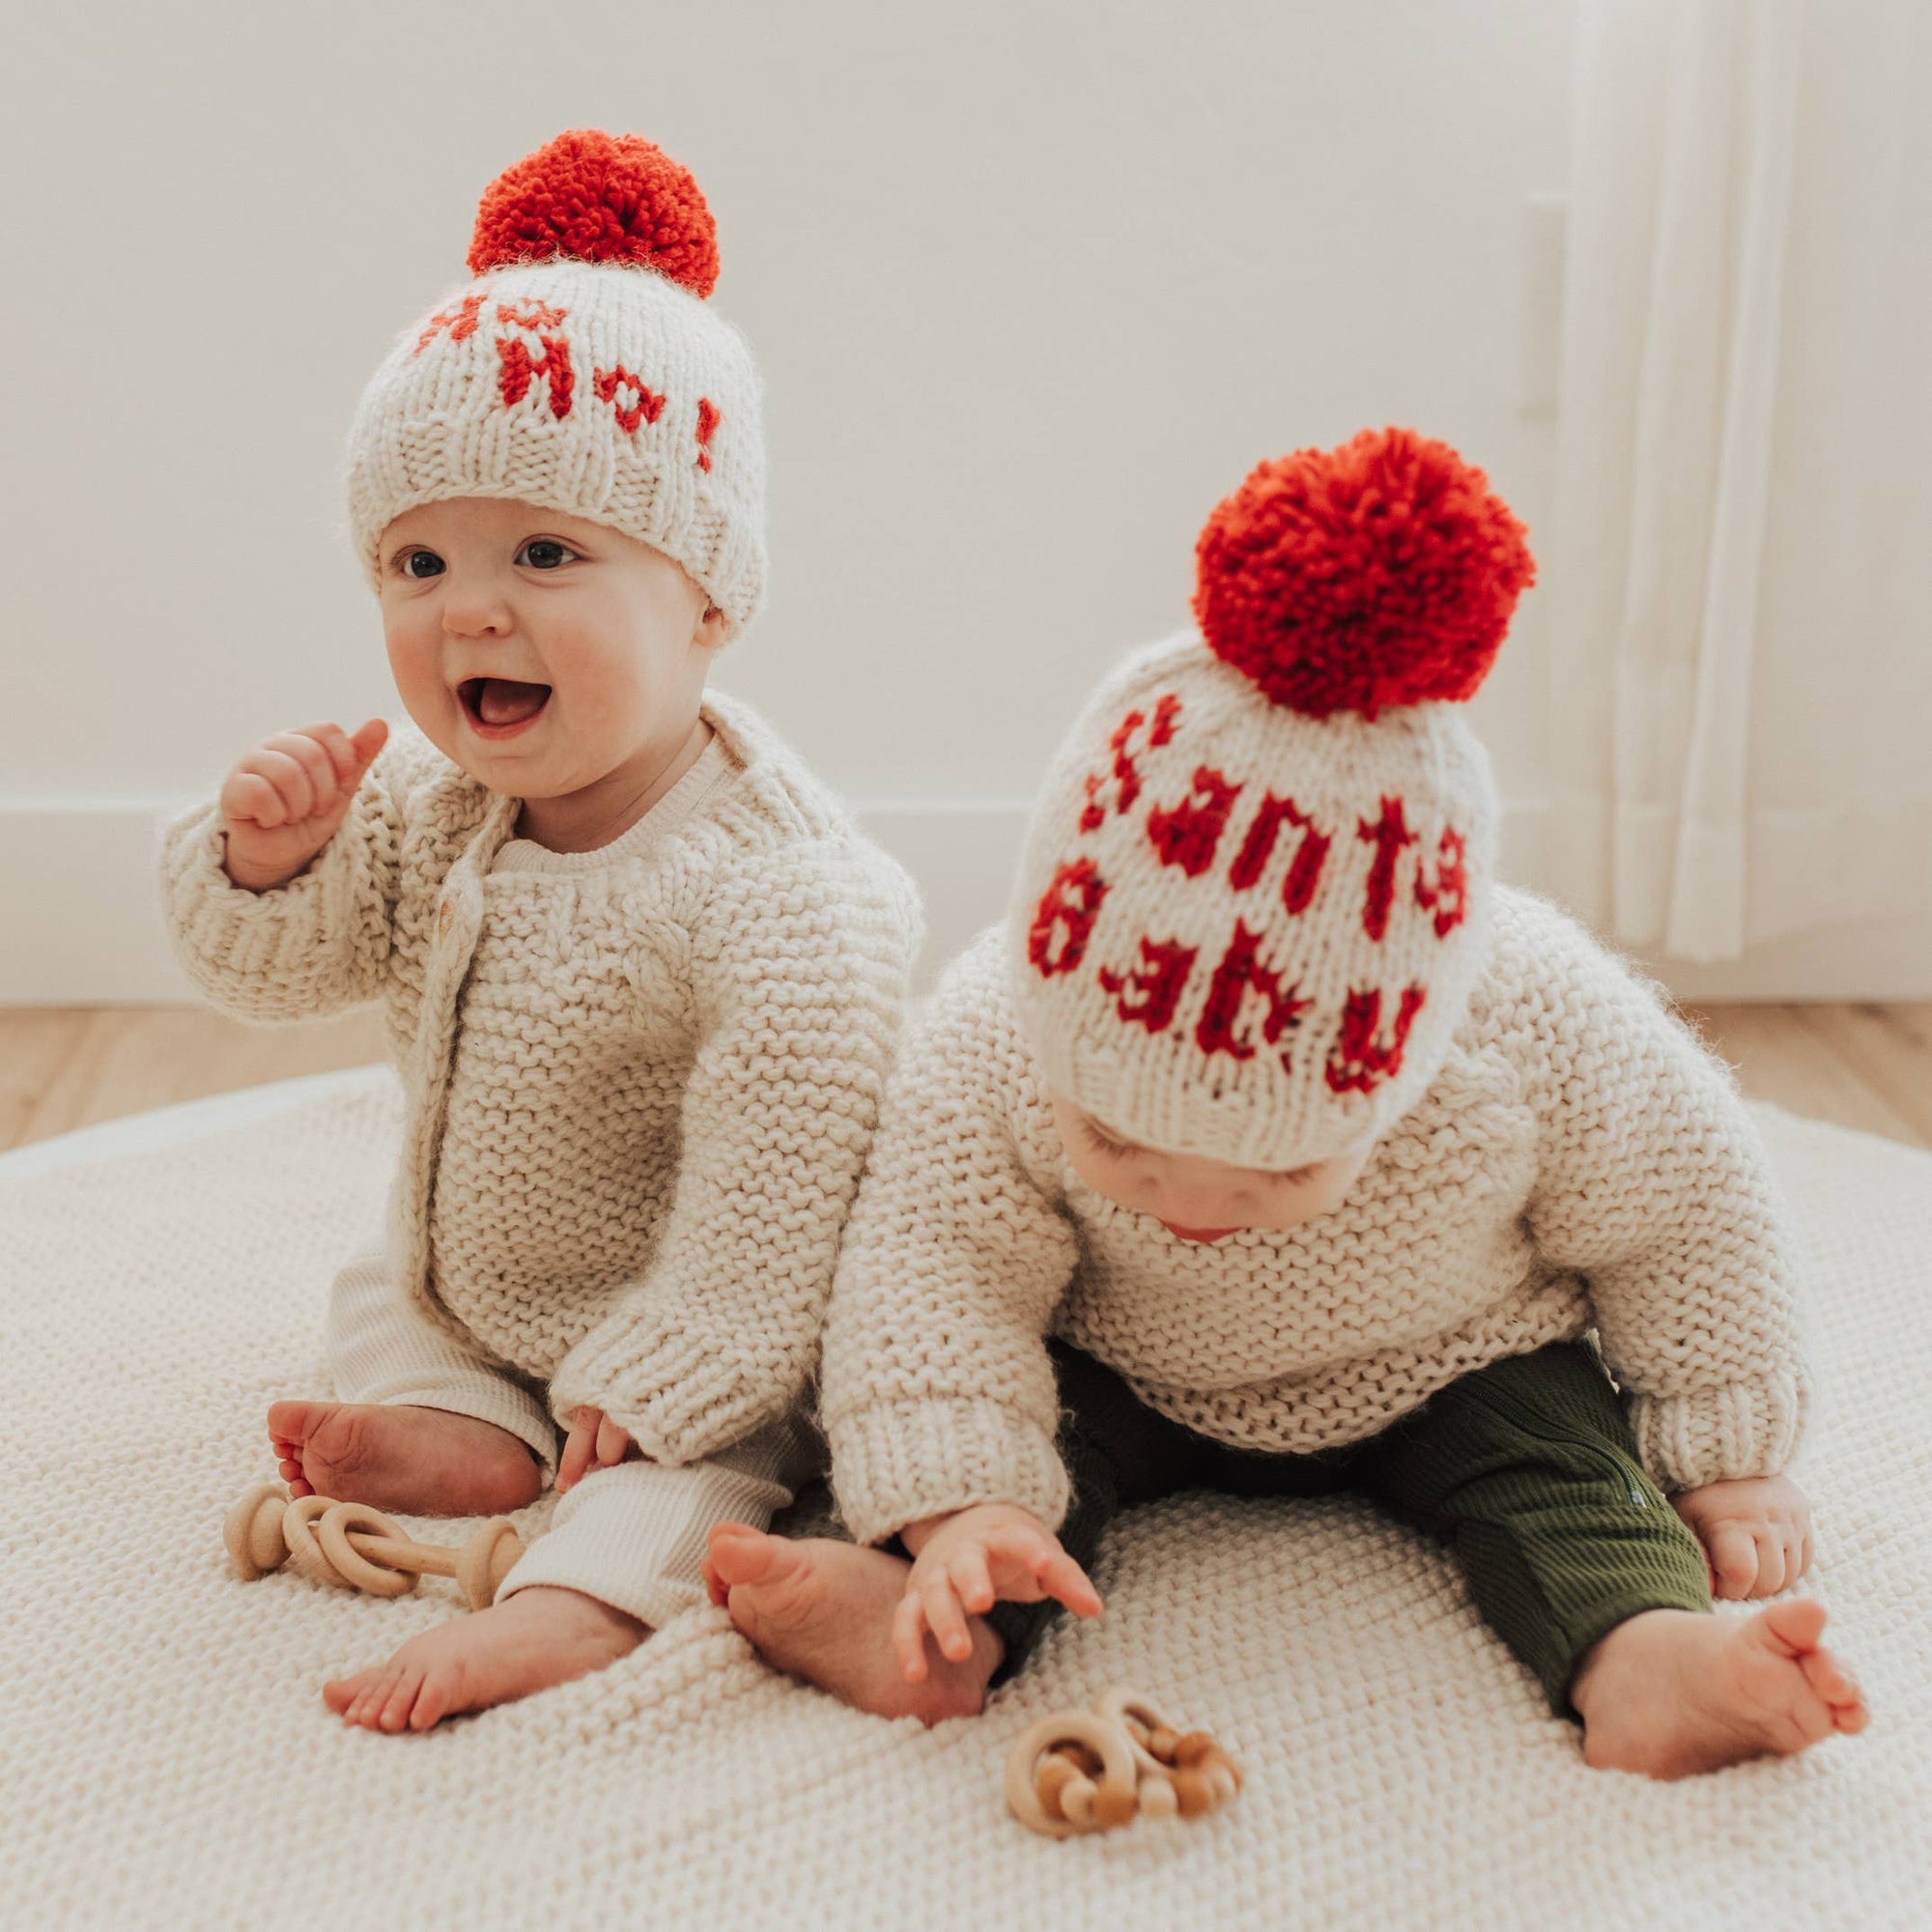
[169, 1762]
[642, 1082]
[1579, 1160]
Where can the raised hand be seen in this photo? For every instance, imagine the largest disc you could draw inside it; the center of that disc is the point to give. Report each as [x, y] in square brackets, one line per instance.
[284, 800]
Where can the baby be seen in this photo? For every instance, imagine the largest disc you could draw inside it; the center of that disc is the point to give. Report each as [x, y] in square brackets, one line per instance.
[641, 976]
[1273, 1146]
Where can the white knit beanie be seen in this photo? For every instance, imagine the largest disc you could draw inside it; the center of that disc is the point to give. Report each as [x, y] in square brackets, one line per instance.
[580, 370]
[1255, 892]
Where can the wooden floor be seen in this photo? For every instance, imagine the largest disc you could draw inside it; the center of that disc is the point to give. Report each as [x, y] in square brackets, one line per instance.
[1867, 1067]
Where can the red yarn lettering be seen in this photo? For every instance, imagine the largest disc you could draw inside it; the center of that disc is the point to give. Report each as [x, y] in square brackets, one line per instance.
[1258, 849]
[1062, 923]
[1186, 834]
[1159, 979]
[1449, 896]
[1240, 973]
[1126, 774]
[520, 369]
[533, 315]
[1357, 1059]
[648, 406]
[1389, 834]
[708, 419]
[461, 322]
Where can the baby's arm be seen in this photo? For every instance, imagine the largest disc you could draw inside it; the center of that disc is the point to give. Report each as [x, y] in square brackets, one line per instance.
[1653, 1183]
[799, 969]
[936, 1390]
[280, 895]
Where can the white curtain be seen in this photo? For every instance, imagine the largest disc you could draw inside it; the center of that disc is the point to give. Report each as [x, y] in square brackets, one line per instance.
[1741, 704]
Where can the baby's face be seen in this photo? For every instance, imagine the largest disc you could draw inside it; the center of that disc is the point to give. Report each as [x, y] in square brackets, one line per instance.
[1202, 1200]
[541, 653]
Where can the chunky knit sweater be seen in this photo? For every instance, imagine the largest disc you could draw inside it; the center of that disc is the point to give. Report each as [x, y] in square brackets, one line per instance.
[640, 1082]
[1581, 1160]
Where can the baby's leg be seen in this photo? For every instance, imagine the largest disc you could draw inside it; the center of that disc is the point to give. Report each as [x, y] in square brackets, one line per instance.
[429, 1423]
[1581, 1565]
[623, 1556]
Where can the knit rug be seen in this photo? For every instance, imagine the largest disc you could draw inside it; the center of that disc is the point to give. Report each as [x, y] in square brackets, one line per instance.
[165, 1757]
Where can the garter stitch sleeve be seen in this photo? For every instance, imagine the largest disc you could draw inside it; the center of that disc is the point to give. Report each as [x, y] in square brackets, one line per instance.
[936, 1388]
[800, 967]
[322, 942]
[1654, 1185]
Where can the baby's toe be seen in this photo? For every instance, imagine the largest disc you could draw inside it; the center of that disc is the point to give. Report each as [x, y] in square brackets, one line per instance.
[434, 1699]
[401, 1700]
[341, 1692]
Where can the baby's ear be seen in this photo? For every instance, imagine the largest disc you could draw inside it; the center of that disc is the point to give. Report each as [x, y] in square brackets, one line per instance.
[714, 628]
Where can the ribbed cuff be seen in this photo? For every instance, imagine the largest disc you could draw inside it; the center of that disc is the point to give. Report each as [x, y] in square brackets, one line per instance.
[260, 953]
[896, 1463]
[1745, 1428]
[700, 1394]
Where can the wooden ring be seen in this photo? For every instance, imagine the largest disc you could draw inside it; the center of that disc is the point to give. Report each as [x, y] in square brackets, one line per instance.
[253, 1532]
[351, 1564]
[299, 1523]
[487, 1558]
[1106, 1740]
[1120, 1704]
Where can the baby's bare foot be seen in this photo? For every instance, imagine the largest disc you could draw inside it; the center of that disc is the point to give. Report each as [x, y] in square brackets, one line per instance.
[1673, 1692]
[823, 1611]
[426, 1462]
[527, 1642]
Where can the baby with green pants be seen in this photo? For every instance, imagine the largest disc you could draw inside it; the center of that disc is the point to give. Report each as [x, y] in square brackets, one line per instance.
[1272, 1144]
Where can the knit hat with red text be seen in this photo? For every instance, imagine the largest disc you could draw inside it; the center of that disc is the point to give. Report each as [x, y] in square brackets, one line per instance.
[1254, 894]
[580, 370]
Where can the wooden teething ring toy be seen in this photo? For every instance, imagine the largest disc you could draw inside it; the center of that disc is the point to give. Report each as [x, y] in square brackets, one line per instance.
[348, 1546]
[1184, 1772]
[1073, 1772]
[1072, 1802]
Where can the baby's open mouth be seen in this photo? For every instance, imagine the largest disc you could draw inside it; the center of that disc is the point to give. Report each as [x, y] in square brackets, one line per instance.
[498, 702]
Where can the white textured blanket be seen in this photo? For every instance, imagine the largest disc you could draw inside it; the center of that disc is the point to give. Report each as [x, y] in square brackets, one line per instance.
[165, 1757]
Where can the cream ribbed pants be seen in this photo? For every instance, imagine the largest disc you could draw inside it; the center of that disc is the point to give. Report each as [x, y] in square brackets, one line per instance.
[633, 1536]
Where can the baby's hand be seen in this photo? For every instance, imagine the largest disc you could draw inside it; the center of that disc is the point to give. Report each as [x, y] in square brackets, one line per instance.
[964, 1563]
[1756, 1533]
[594, 1441]
[283, 800]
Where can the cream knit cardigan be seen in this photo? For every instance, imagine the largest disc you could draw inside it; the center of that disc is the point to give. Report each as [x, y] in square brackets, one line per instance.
[1581, 1160]
[641, 1082]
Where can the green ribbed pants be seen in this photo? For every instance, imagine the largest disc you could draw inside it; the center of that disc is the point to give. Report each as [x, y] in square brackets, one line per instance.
[1526, 1468]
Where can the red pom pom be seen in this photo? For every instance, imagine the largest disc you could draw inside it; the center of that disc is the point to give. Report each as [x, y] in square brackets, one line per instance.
[1378, 573]
[596, 197]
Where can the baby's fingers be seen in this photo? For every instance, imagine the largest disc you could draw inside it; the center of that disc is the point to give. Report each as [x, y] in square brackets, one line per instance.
[612, 1444]
[971, 1581]
[1061, 1577]
[1733, 1560]
[312, 760]
[249, 798]
[579, 1447]
[944, 1617]
[909, 1635]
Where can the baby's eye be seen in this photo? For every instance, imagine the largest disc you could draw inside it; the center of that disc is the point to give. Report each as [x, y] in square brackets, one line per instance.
[1100, 1144]
[432, 564]
[545, 553]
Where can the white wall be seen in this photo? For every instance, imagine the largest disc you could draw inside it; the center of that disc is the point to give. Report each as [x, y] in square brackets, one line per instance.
[1032, 284]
